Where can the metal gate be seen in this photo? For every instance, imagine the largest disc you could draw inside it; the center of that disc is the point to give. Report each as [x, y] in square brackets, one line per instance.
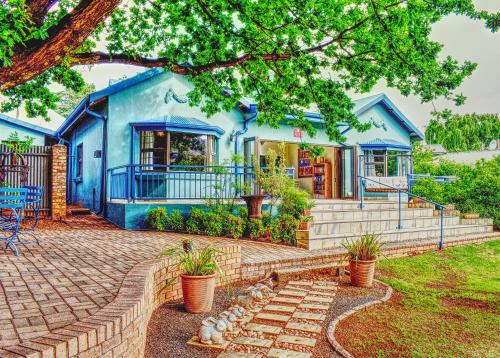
[39, 160]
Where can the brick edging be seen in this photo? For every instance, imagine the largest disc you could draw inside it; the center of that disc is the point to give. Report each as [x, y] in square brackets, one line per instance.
[333, 324]
[119, 328]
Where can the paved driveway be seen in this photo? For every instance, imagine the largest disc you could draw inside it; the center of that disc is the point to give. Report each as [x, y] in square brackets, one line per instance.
[78, 270]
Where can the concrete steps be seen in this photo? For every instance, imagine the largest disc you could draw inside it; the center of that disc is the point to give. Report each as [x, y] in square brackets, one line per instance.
[340, 228]
[367, 214]
[336, 221]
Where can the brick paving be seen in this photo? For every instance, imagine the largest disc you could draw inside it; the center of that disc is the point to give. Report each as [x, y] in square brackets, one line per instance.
[82, 262]
[79, 269]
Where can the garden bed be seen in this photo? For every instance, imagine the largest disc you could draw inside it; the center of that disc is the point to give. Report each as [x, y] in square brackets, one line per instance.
[171, 327]
[449, 299]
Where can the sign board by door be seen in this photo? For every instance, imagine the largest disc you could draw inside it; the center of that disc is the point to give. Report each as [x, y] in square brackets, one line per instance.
[298, 133]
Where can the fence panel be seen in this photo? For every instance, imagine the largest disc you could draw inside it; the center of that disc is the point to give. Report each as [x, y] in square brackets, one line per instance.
[39, 160]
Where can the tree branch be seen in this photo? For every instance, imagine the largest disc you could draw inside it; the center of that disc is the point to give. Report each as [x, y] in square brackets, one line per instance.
[64, 38]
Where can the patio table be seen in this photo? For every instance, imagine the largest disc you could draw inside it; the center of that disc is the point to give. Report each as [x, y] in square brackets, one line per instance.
[13, 200]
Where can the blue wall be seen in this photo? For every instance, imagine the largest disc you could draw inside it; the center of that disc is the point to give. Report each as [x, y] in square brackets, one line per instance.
[87, 189]
[7, 128]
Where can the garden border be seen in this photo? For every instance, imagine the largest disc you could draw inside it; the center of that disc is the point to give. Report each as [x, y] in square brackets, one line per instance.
[333, 324]
[119, 329]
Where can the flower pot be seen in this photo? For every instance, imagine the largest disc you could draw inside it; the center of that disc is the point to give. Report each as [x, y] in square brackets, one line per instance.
[362, 272]
[198, 292]
[471, 216]
[254, 205]
[305, 225]
[417, 201]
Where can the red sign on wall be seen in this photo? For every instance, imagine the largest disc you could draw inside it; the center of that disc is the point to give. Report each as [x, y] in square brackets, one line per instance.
[298, 133]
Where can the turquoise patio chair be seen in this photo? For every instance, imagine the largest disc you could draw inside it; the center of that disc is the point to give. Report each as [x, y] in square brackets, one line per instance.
[12, 200]
[34, 204]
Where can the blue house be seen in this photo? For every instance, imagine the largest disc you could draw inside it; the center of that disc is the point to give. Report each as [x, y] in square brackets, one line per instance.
[41, 135]
[138, 144]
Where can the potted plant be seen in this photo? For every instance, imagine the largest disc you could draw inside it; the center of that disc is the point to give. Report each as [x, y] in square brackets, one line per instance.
[198, 275]
[362, 255]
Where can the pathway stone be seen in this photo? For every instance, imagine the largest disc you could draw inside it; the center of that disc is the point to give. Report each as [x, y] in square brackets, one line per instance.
[277, 308]
[311, 316]
[319, 293]
[286, 300]
[318, 299]
[301, 283]
[256, 342]
[262, 328]
[303, 341]
[230, 354]
[314, 306]
[295, 288]
[293, 293]
[273, 317]
[282, 353]
[325, 287]
[307, 327]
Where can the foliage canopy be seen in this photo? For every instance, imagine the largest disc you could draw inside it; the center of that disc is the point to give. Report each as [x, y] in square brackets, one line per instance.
[289, 55]
[458, 133]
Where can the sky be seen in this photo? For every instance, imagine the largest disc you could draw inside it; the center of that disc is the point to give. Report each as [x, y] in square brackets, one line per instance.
[463, 39]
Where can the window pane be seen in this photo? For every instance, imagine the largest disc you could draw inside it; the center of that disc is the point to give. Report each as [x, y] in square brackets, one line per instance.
[153, 147]
[188, 149]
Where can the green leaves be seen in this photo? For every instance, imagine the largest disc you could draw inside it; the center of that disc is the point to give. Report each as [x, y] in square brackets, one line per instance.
[467, 132]
[289, 56]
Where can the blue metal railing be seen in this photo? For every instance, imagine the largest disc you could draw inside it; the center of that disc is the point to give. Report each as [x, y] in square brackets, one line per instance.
[161, 182]
[362, 185]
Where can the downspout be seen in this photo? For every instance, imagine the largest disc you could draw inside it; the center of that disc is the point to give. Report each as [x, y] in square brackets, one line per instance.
[242, 131]
[103, 157]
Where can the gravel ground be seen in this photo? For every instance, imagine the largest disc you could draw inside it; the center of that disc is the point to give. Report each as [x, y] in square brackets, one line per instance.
[171, 327]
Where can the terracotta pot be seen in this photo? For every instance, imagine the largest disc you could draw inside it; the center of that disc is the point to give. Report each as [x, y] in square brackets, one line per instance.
[305, 225]
[254, 205]
[417, 201]
[198, 293]
[362, 272]
[471, 216]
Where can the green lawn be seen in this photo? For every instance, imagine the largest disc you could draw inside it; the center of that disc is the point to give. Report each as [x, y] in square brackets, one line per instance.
[446, 304]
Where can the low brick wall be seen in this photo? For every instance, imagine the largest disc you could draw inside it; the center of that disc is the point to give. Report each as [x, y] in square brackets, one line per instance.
[336, 258]
[119, 329]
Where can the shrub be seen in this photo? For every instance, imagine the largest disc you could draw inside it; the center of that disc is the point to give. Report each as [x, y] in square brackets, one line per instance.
[214, 223]
[266, 219]
[242, 212]
[234, 226]
[176, 221]
[294, 201]
[157, 219]
[255, 228]
[195, 224]
[476, 190]
[283, 229]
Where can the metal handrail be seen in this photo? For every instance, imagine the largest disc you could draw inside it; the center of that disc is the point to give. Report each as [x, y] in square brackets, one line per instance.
[123, 180]
[362, 184]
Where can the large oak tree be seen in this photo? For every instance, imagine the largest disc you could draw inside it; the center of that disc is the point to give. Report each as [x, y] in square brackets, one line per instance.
[288, 54]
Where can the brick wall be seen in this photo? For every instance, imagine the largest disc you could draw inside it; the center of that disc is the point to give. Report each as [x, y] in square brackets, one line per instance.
[119, 329]
[58, 182]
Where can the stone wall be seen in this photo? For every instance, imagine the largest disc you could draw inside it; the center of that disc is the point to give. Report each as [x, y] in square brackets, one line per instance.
[58, 182]
[119, 329]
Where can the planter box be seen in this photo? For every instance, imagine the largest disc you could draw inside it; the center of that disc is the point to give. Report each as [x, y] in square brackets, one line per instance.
[471, 216]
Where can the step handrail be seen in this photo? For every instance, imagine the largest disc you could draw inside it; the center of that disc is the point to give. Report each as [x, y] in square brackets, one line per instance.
[440, 207]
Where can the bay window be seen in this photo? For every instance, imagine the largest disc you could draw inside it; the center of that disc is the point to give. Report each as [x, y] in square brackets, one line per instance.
[177, 148]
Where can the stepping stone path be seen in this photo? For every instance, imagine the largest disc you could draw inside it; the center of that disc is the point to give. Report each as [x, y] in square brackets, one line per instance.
[285, 326]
